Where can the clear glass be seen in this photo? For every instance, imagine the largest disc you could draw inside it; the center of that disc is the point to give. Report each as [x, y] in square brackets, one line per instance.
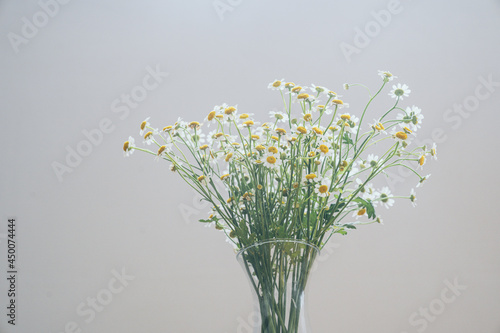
[278, 271]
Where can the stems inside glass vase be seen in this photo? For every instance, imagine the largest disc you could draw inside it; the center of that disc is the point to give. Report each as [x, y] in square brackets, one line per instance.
[278, 272]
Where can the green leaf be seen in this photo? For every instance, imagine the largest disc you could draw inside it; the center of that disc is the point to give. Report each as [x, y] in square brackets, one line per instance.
[367, 204]
[341, 231]
[346, 139]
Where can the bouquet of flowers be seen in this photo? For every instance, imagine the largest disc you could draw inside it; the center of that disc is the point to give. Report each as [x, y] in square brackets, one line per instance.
[295, 177]
[298, 175]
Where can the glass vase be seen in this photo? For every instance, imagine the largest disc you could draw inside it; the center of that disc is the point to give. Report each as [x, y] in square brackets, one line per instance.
[278, 271]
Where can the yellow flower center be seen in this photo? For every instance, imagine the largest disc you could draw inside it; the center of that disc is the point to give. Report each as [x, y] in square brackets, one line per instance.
[148, 134]
[259, 187]
[280, 131]
[324, 149]
[337, 101]
[312, 154]
[297, 89]
[211, 116]
[194, 124]
[317, 130]
[271, 159]
[161, 150]
[166, 128]
[302, 129]
[362, 211]
[229, 110]
[345, 116]
[407, 130]
[125, 145]
[220, 116]
[244, 116]
[275, 138]
[143, 124]
[260, 148]
[323, 189]
[273, 150]
[204, 147]
[248, 123]
[276, 84]
[228, 157]
[307, 117]
[303, 96]
[289, 84]
[401, 135]
[255, 137]
[421, 161]
[310, 176]
[201, 178]
[224, 176]
[218, 135]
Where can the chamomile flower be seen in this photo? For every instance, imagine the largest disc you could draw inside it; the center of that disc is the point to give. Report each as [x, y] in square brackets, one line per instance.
[148, 138]
[279, 116]
[385, 197]
[400, 91]
[399, 135]
[322, 188]
[434, 151]
[310, 99]
[370, 193]
[144, 126]
[318, 89]
[386, 75]
[210, 117]
[309, 178]
[128, 147]
[338, 103]
[378, 126]
[422, 180]
[301, 129]
[277, 85]
[271, 161]
[323, 150]
[297, 90]
[413, 197]
[333, 94]
[372, 160]
[321, 109]
[359, 213]
[421, 161]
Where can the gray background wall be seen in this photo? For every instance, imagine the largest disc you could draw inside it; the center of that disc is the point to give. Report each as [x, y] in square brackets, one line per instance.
[106, 215]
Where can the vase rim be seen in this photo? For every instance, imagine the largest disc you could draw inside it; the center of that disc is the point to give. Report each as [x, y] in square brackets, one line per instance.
[277, 240]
